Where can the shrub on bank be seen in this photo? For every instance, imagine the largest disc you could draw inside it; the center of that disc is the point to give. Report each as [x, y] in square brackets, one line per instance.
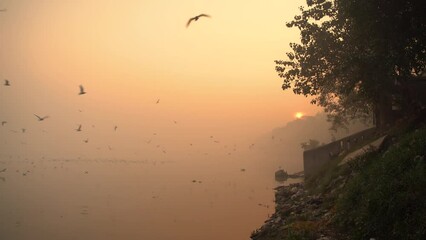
[386, 199]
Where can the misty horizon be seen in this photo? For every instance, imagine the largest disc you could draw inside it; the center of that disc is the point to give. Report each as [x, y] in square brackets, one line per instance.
[118, 121]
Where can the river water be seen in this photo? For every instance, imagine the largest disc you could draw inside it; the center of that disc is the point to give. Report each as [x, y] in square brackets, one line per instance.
[202, 198]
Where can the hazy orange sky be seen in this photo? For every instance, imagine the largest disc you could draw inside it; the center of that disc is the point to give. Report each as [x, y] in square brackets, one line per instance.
[215, 77]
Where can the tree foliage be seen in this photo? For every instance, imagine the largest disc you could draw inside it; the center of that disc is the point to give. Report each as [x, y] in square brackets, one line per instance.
[355, 55]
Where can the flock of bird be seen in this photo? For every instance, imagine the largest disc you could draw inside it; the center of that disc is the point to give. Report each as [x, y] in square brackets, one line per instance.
[82, 91]
[187, 24]
[79, 128]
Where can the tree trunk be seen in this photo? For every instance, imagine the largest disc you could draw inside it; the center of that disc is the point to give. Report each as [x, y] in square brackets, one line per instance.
[383, 114]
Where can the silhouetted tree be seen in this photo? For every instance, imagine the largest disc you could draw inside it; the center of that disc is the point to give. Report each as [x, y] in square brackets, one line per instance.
[356, 56]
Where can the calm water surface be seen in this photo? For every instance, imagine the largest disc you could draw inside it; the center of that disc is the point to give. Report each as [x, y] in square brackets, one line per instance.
[203, 198]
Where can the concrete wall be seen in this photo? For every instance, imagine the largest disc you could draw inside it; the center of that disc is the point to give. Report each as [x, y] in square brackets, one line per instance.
[314, 159]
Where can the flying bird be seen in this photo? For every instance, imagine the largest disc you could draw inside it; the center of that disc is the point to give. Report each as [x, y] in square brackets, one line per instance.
[3, 123]
[41, 118]
[6, 82]
[3, 10]
[196, 18]
[115, 128]
[86, 140]
[158, 101]
[81, 90]
[23, 130]
[79, 128]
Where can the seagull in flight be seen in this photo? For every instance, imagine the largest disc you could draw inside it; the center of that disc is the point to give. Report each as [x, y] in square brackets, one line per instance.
[158, 101]
[23, 130]
[196, 18]
[115, 128]
[3, 123]
[79, 128]
[81, 90]
[41, 118]
[6, 82]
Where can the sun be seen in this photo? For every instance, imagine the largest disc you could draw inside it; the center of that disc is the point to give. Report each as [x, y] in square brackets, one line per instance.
[298, 115]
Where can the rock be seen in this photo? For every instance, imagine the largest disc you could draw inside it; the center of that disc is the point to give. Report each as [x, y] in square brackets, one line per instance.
[277, 220]
[323, 238]
[294, 190]
[281, 175]
[295, 207]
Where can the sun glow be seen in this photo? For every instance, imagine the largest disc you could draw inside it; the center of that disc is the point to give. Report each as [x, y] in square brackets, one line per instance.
[298, 115]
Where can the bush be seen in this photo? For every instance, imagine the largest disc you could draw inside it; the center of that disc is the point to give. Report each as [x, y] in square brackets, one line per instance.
[386, 197]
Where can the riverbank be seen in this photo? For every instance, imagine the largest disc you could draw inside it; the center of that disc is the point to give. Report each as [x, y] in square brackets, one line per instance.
[299, 213]
[379, 195]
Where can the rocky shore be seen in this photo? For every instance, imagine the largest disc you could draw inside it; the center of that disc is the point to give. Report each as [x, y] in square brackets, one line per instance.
[354, 200]
[299, 214]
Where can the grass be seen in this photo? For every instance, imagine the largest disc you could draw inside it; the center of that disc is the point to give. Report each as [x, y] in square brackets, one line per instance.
[386, 199]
